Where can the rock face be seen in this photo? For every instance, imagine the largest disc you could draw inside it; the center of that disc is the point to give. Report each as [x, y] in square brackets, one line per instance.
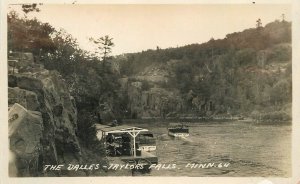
[149, 97]
[43, 95]
[25, 133]
[154, 102]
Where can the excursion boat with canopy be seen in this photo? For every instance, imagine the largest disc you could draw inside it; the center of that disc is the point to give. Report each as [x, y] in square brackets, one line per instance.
[130, 144]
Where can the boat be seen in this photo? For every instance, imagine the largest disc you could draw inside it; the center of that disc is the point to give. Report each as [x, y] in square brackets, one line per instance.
[178, 130]
[146, 141]
[129, 143]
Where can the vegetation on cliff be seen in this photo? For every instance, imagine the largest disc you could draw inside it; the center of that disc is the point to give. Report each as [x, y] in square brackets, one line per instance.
[85, 76]
[247, 72]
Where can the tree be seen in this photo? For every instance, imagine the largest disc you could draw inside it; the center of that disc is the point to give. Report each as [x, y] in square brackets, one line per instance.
[104, 45]
[26, 8]
[283, 17]
[29, 35]
[67, 54]
[258, 23]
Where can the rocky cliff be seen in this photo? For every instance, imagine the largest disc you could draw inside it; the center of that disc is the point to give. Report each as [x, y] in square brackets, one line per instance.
[148, 96]
[246, 74]
[42, 118]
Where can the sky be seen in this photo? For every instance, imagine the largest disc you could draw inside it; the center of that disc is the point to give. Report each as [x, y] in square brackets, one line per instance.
[140, 27]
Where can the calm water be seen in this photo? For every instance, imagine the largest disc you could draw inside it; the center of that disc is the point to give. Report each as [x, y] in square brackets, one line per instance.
[251, 150]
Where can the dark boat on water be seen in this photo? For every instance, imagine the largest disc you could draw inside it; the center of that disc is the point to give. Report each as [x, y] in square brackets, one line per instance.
[178, 130]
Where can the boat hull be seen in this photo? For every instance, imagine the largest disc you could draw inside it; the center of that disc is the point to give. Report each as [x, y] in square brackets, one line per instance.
[148, 148]
[178, 134]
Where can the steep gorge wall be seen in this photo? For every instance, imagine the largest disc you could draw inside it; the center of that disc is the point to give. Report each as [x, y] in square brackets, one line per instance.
[42, 118]
[151, 95]
[155, 102]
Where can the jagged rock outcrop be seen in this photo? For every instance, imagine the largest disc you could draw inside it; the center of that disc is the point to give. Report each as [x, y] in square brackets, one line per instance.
[149, 97]
[44, 92]
[153, 103]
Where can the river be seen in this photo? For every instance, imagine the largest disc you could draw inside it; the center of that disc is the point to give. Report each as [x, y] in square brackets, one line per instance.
[250, 150]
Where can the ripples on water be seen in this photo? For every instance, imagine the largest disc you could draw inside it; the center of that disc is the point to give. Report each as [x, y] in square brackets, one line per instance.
[251, 149]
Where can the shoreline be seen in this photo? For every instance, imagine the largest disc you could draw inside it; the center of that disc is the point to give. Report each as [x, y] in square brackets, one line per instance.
[212, 120]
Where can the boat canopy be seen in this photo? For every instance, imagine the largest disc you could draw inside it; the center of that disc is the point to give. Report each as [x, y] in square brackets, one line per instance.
[120, 129]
